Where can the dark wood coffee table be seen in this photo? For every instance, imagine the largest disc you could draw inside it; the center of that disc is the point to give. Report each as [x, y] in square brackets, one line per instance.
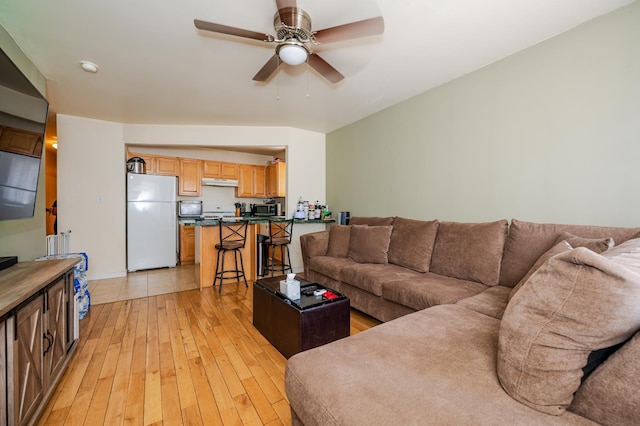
[293, 326]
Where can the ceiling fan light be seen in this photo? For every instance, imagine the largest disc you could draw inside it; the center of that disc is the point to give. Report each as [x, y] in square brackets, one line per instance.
[292, 54]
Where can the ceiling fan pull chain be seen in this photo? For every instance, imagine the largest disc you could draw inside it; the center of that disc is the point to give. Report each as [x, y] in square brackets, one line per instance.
[278, 82]
[307, 75]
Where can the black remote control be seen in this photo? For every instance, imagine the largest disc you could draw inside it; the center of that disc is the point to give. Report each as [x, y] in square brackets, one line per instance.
[308, 290]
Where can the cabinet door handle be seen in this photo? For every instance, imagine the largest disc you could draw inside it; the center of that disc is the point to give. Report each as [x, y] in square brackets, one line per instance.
[49, 342]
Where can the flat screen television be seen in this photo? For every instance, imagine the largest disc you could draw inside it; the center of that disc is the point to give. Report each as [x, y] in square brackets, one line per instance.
[23, 118]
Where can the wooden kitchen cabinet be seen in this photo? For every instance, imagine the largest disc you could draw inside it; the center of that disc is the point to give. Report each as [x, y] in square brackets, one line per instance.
[148, 160]
[229, 170]
[20, 141]
[190, 177]
[211, 169]
[251, 181]
[40, 348]
[56, 329]
[220, 169]
[276, 180]
[27, 349]
[187, 245]
[37, 335]
[166, 166]
[158, 165]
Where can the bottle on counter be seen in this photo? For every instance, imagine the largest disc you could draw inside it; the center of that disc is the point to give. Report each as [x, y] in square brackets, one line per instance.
[326, 213]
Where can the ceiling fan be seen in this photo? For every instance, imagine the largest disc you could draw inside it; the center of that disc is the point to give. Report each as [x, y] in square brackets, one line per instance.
[294, 40]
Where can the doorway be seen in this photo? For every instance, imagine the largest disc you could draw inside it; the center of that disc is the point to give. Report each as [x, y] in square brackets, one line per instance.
[51, 185]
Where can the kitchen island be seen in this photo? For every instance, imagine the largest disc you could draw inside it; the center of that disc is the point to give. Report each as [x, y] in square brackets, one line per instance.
[207, 236]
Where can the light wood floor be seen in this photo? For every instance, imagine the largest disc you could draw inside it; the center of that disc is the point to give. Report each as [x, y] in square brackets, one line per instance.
[181, 358]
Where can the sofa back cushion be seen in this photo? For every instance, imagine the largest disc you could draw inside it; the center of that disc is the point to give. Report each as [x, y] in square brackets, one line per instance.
[527, 241]
[469, 251]
[339, 238]
[369, 244]
[610, 395]
[578, 302]
[412, 242]
[371, 221]
[560, 247]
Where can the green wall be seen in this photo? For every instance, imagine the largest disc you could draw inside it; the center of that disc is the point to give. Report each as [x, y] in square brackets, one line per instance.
[550, 134]
[25, 238]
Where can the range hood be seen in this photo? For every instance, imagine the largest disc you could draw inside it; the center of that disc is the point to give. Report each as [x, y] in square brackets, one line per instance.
[219, 182]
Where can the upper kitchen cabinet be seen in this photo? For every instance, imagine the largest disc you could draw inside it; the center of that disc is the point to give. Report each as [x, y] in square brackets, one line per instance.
[158, 165]
[20, 141]
[251, 181]
[167, 166]
[220, 169]
[190, 177]
[277, 180]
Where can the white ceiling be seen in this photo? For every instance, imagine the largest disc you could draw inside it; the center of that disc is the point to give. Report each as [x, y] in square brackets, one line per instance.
[155, 67]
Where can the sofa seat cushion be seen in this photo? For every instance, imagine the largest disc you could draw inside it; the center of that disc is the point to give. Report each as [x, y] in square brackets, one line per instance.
[370, 276]
[578, 302]
[469, 251]
[429, 290]
[412, 243]
[329, 266]
[491, 302]
[435, 366]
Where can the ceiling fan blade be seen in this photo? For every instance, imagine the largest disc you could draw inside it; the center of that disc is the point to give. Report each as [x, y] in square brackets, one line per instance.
[323, 67]
[366, 27]
[281, 4]
[268, 69]
[224, 29]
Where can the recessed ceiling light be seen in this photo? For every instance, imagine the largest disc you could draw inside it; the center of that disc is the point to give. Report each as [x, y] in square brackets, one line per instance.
[89, 66]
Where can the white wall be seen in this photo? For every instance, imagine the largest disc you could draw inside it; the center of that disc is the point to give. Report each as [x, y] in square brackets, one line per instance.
[91, 164]
[91, 198]
[550, 134]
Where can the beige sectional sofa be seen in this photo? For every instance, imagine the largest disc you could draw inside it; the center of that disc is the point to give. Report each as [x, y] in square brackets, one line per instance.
[486, 323]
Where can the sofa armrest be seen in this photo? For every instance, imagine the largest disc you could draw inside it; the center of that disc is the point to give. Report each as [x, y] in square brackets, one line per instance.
[313, 244]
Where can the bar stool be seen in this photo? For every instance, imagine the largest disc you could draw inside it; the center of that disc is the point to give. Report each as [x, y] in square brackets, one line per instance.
[279, 238]
[233, 235]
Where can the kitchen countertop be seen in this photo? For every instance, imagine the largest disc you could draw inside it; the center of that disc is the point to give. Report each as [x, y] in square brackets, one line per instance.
[252, 221]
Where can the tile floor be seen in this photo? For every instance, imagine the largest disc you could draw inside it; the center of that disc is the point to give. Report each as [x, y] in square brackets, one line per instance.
[142, 284]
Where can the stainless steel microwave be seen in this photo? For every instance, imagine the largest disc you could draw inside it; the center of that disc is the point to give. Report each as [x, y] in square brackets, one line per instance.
[266, 209]
[189, 208]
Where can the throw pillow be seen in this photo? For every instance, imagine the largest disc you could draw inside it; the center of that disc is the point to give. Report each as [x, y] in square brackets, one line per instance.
[598, 245]
[369, 244]
[576, 303]
[469, 251]
[339, 236]
[412, 242]
[560, 247]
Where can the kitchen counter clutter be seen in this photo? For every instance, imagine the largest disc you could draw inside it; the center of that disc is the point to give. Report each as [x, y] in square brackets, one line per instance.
[38, 330]
[255, 220]
[207, 236]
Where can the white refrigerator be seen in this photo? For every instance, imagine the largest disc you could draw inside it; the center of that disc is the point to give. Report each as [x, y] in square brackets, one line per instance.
[151, 221]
